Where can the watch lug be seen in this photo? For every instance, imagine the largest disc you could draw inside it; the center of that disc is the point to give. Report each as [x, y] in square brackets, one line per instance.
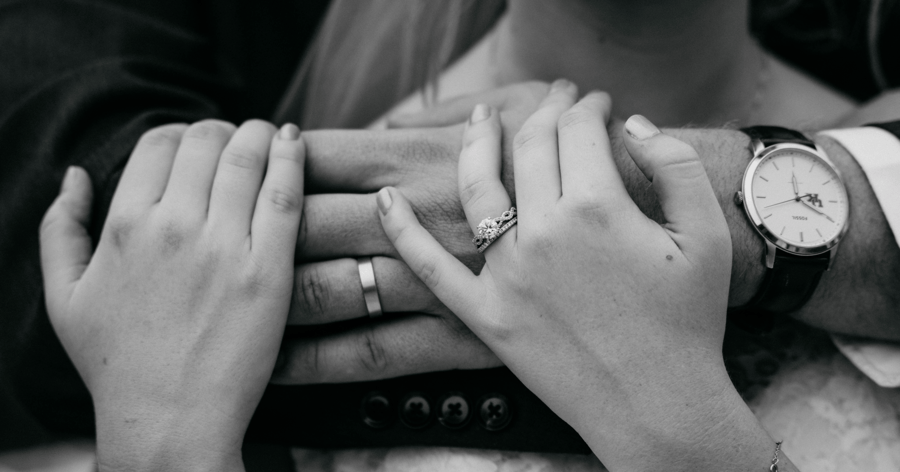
[756, 146]
[831, 253]
[770, 254]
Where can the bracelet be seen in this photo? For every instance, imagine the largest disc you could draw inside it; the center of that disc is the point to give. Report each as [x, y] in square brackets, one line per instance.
[774, 466]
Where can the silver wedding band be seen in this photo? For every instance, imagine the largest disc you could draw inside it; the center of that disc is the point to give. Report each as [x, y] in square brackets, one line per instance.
[370, 290]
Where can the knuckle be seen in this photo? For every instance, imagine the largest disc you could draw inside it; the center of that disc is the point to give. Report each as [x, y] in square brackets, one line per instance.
[576, 117]
[302, 362]
[527, 139]
[284, 200]
[683, 168]
[311, 291]
[427, 271]
[163, 136]
[241, 157]
[210, 130]
[474, 188]
[172, 234]
[119, 229]
[370, 352]
[477, 133]
[499, 328]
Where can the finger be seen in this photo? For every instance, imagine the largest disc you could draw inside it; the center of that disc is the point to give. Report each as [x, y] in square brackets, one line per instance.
[453, 283]
[195, 166]
[325, 292]
[276, 219]
[457, 110]
[679, 179]
[65, 242]
[586, 164]
[341, 225]
[391, 348]
[238, 177]
[359, 161]
[480, 190]
[146, 175]
[535, 151]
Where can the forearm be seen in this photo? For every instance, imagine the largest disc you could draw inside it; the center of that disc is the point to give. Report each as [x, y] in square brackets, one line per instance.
[856, 296]
[700, 423]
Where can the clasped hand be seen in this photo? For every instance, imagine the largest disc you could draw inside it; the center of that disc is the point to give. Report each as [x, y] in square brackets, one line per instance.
[613, 320]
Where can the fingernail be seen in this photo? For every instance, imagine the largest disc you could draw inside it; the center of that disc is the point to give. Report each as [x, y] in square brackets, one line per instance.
[480, 113]
[559, 84]
[68, 178]
[289, 132]
[384, 201]
[640, 128]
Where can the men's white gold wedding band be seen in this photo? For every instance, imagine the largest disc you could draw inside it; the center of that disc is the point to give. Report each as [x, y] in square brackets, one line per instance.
[370, 290]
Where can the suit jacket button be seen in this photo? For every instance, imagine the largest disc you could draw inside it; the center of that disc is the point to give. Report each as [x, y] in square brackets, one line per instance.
[494, 412]
[376, 411]
[454, 410]
[415, 411]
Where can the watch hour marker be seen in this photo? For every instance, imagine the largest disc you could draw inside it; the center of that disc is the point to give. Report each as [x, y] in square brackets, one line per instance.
[767, 216]
[820, 233]
[829, 180]
[782, 231]
[761, 177]
[811, 167]
[801, 236]
[792, 161]
[832, 201]
[758, 196]
[776, 165]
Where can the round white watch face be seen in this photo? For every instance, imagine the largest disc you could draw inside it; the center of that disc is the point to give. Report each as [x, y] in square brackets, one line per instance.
[799, 198]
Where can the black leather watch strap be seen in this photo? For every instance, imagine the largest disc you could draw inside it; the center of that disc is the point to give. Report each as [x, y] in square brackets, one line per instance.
[770, 135]
[786, 287]
[792, 280]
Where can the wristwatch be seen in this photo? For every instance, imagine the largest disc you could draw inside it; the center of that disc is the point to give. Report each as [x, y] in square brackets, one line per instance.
[796, 201]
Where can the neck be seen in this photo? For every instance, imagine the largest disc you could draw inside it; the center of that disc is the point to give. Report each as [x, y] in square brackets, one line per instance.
[675, 61]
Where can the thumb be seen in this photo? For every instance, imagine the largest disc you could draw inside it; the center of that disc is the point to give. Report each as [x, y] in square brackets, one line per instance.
[65, 242]
[685, 194]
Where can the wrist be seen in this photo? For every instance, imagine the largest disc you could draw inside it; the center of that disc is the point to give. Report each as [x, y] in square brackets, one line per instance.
[695, 421]
[143, 439]
[725, 155]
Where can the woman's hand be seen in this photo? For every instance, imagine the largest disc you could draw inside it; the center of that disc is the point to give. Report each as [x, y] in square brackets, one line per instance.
[615, 321]
[175, 321]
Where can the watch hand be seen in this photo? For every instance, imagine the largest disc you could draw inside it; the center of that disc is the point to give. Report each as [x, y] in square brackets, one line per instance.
[795, 199]
[811, 207]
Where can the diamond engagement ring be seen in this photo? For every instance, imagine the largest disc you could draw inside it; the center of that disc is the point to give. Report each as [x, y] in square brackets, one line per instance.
[490, 229]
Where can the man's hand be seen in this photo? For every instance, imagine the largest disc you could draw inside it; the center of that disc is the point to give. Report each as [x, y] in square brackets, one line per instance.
[338, 226]
[421, 163]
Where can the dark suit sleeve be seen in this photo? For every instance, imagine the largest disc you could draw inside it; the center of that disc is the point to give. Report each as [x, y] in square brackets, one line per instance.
[80, 81]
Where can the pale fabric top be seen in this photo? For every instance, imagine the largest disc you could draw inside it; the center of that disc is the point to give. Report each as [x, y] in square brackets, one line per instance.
[878, 154]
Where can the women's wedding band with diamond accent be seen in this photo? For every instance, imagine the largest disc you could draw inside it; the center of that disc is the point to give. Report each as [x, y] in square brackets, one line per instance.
[490, 229]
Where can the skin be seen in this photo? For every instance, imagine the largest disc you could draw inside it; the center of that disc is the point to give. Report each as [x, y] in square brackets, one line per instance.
[174, 321]
[851, 298]
[547, 304]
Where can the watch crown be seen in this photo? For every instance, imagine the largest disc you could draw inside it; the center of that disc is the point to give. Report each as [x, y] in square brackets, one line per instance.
[738, 198]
